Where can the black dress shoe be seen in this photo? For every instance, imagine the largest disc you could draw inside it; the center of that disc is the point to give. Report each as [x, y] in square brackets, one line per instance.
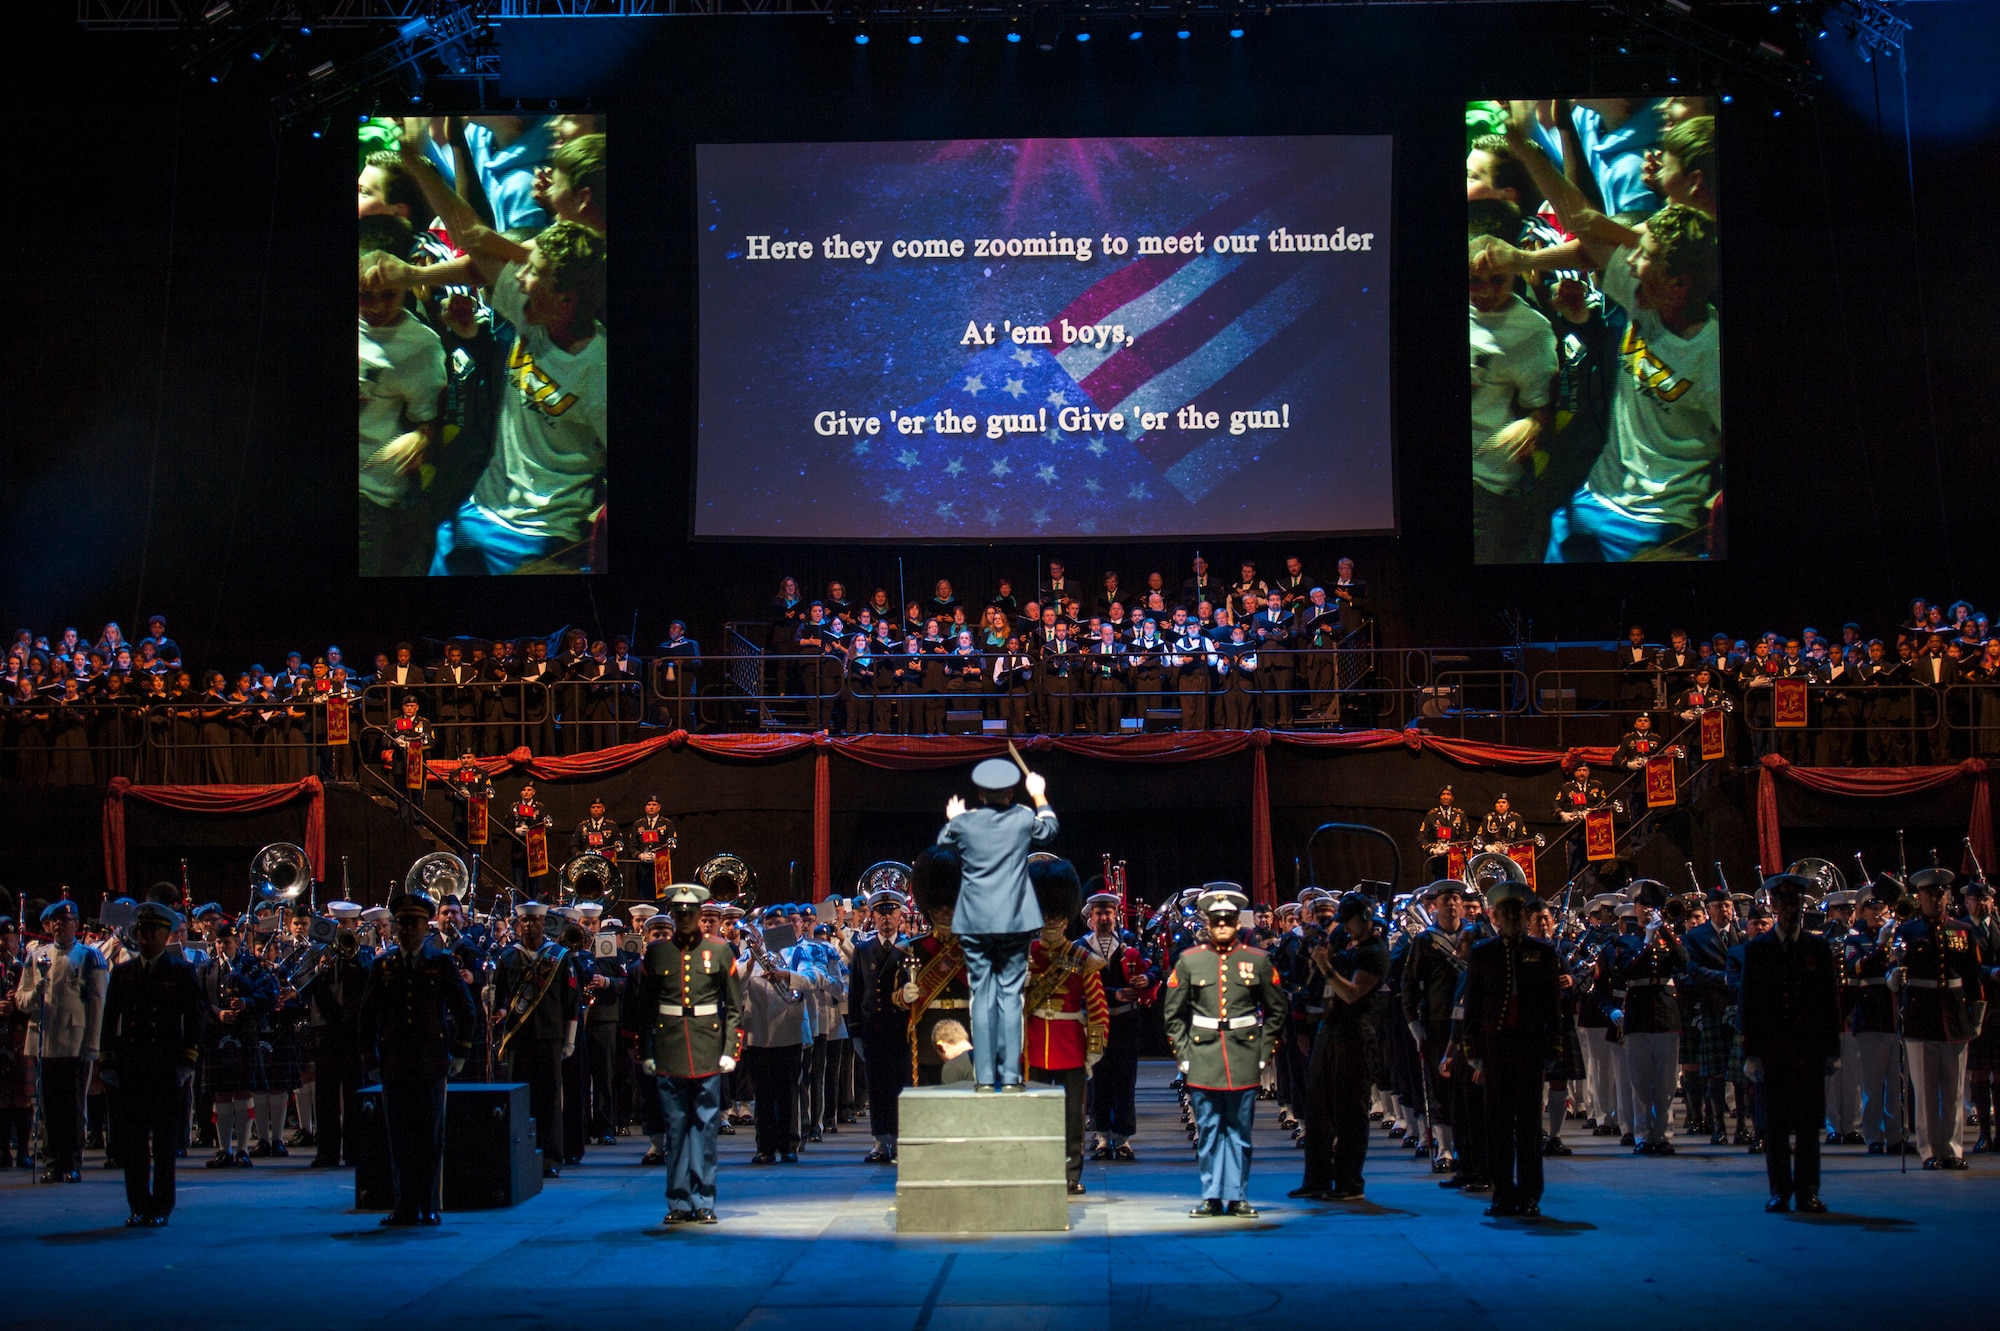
[607, 1140]
[430, 1219]
[679, 1218]
[1554, 1147]
[1812, 1206]
[1877, 1148]
[705, 1216]
[399, 1220]
[1664, 1148]
[788, 1158]
[727, 1130]
[878, 1156]
[762, 1158]
[550, 1171]
[1479, 1185]
[137, 1221]
[1453, 1183]
[1124, 1153]
[322, 1162]
[72, 1176]
[1930, 1162]
[1853, 1139]
[1777, 1205]
[1628, 1140]
[653, 1156]
[1503, 1209]
[1833, 1139]
[1530, 1211]
[1202, 1210]
[1950, 1162]
[814, 1136]
[1076, 1189]
[1243, 1210]
[1344, 1195]
[157, 1221]
[1643, 1148]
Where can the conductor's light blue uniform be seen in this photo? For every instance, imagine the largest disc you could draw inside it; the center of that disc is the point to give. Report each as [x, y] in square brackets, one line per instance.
[996, 921]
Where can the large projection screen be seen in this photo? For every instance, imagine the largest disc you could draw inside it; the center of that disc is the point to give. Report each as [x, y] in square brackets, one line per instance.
[980, 340]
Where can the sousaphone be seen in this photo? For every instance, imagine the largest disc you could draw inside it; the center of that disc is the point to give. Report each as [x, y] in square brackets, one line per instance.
[728, 878]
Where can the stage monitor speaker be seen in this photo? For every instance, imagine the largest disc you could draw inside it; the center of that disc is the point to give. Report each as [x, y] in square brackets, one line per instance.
[490, 1158]
[963, 723]
[1162, 718]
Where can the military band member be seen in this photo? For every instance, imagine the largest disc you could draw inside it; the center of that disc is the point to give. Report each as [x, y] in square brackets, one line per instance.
[874, 978]
[151, 1033]
[236, 993]
[61, 993]
[1130, 987]
[1445, 828]
[535, 1000]
[1937, 975]
[416, 1022]
[524, 815]
[1432, 969]
[1641, 745]
[653, 834]
[1788, 1007]
[332, 996]
[409, 738]
[1574, 799]
[689, 1018]
[1503, 827]
[1511, 1030]
[1347, 963]
[597, 834]
[1225, 1012]
[1068, 1019]
[1648, 1015]
[933, 983]
[1708, 945]
[1869, 959]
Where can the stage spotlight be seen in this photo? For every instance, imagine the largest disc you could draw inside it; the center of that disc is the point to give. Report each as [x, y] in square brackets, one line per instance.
[222, 71]
[1013, 36]
[916, 39]
[1183, 34]
[1136, 34]
[861, 39]
[1236, 32]
[964, 40]
[1727, 98]
[269, 47]
[1083, 36]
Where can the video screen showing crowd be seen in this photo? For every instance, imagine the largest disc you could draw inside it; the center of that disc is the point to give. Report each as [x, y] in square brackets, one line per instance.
[1594, 331]
[483, 353]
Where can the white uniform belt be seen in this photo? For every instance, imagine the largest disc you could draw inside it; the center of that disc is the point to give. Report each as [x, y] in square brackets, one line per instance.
[1315, 1011]
[949, 1003]
[1642, 982]
[698, 1010]
[1231, 1024]
[1876, 979]
[1937, 984]
[1057, 1014]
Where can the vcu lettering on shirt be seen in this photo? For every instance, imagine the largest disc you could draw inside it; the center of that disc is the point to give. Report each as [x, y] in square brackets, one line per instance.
[538, 389]
[1653, 376]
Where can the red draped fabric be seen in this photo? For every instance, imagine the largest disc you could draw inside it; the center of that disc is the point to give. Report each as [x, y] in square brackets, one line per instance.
[207, 799]
[1870, 783]
[822, 824]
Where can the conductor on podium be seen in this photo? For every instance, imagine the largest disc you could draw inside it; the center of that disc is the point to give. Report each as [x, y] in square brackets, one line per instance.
[997, 917]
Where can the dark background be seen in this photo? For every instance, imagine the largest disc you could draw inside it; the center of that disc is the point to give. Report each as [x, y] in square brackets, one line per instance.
[177, 348]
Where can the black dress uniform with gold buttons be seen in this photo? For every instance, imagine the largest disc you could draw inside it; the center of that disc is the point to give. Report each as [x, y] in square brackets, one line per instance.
[152, 1030]
[415, 1021]
[1511, 1029]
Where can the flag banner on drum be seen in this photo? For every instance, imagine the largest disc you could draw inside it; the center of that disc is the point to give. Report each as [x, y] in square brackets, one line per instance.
[336, 721]
[1600, 839]
[1523, 854]
[475, 818]
[663, 874]
[415, 769]
[1660, 792]
[538, 851]
[1454, 863]
[1788, 704]
[1712, 748]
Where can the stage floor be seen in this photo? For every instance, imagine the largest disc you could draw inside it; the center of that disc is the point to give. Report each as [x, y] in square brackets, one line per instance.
[1628, 1242]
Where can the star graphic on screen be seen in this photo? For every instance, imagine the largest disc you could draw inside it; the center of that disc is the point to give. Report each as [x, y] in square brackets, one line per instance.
[974, 384]
[1056, 399]
[893, 495]
[1001, 466]
[955, 467]
[1055, 436]
[948, 511]
[908, 457]
[1092, 486]
[1041, 517]
[1025, 356]
[861, 448]
[1139, 491]
[1087, 525]
[1046, 473]
[992, 516]
[1097, 445]
[1014, 388]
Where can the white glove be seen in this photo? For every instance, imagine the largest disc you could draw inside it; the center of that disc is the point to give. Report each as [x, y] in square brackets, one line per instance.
[569, 1049]
[1753, 1068]
[183, 1076]
[1417, 1031]
[453, 1068]
[650, 1068]
[1037, 785]
[726, 1063]
[910, 992]
[1183, 1069]
[1897, 979]
[953, 807]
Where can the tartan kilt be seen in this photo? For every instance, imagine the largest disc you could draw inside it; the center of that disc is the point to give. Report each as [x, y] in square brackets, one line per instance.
[1735, 1064]
[1713, 1041]
[1569, 1056]
[282, 1061]
[231, 1066]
